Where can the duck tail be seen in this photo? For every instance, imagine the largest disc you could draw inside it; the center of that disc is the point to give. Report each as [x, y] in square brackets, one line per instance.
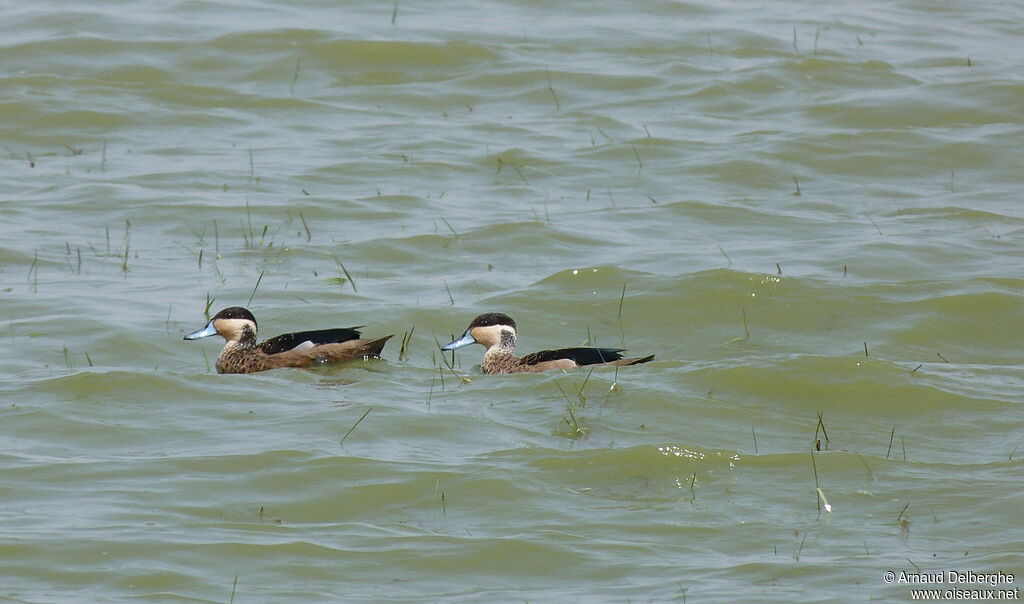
[346, 351]
[633, 361]
[373, 348]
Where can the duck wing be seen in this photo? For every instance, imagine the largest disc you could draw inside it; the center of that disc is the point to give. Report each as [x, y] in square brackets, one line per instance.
[583, 355]
[316, 337]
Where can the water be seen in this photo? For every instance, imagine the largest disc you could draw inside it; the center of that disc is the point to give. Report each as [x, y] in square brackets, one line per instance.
[805, 211]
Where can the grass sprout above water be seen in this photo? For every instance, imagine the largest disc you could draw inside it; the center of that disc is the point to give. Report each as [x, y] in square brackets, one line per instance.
[448, 364]
[572, 419]
[820, 429]
[440, 491]
[309, 235]
[209, 303]
[746, 331]
[127, 244]
[551, 89]
[33, 272]
[361, 418]
[255, 287]
[403, 351]
[819, 494]
[344, 271]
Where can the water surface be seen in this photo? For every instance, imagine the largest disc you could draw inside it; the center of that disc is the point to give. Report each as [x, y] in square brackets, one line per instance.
[810, 214]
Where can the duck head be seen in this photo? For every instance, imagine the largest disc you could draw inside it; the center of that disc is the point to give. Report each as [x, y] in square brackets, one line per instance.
[233, 324]
[490, 330]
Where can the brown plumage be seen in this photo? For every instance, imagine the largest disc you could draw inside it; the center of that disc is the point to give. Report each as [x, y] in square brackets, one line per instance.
[497, 333]
[241, 353]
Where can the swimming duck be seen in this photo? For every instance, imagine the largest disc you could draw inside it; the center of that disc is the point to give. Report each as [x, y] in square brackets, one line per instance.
[242, 354]
[497, 332]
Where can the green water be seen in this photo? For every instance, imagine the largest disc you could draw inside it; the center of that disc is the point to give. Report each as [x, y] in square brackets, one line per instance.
[810, 214]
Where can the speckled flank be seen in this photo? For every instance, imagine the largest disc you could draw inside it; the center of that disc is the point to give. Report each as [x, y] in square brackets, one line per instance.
[497, 332]
[236, 358]
[241, 353]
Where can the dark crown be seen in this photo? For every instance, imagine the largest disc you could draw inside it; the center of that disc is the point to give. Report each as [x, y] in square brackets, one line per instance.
[236, 312]
[493, 318]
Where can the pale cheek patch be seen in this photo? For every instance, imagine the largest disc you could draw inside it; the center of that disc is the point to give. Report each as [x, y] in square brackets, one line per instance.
[232, 329]
[479, 334]
[490, 335]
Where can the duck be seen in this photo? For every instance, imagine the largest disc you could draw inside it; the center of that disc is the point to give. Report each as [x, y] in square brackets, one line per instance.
[241, 353]
[497, 332]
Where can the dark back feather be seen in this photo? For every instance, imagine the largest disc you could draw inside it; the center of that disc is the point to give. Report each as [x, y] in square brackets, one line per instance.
[584, 355]
[287, 341]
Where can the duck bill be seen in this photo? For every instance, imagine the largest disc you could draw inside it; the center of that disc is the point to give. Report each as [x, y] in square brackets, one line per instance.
[465, 340]
[205, 332]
